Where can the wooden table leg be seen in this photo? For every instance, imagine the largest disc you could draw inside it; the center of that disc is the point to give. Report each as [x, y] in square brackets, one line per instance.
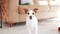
[58, 28]
[10, 24]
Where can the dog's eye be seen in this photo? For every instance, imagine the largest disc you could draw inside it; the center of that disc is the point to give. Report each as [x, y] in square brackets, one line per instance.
[33, 13]
[28, 13]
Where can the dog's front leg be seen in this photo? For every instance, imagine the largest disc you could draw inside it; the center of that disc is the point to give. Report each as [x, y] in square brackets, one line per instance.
[36, 30]
[29, 31]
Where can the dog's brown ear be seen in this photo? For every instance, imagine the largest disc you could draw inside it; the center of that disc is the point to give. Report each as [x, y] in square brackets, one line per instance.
[35, 10]
[25, 9]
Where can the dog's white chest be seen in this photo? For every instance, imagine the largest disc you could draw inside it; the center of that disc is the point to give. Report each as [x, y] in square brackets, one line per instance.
[32, 22]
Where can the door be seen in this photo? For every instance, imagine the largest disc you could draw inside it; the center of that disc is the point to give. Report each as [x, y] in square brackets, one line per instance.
[0, 16]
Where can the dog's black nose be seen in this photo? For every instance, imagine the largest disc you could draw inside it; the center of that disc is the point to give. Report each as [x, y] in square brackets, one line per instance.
[30, 17]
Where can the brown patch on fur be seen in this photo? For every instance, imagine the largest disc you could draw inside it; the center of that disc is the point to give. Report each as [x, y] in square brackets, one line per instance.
[25, 9]
[35, 10]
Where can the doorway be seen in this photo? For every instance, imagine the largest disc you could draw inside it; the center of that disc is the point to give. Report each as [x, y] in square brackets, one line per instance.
[0, 16]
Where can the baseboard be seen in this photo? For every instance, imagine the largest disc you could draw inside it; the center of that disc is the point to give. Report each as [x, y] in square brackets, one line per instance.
[0, 26]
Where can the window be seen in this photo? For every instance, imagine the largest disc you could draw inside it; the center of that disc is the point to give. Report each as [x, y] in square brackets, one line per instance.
[51, 2]
[43, 2]
[26, 2]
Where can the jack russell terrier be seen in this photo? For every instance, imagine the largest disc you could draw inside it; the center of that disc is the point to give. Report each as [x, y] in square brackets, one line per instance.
[31, 21]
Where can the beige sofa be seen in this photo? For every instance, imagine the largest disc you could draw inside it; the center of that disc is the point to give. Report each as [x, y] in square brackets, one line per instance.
[43, 13]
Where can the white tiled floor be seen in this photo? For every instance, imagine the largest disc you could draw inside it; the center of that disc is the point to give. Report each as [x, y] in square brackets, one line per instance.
[45, 27]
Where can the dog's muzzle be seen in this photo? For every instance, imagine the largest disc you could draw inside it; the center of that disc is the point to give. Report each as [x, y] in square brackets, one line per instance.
[30, 17]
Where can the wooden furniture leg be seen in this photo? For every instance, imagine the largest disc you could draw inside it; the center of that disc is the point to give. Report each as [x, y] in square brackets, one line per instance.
[10, 24]
[58, 28]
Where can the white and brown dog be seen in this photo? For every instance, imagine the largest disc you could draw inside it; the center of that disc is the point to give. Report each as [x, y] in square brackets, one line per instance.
[31, 21]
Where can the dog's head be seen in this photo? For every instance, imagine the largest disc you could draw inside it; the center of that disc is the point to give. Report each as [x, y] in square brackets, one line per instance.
[30, 12]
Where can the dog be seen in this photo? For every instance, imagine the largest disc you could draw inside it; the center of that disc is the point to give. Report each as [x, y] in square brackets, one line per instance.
[31, 21]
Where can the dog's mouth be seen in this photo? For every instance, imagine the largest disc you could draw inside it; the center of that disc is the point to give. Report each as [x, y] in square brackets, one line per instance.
[30, 17]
